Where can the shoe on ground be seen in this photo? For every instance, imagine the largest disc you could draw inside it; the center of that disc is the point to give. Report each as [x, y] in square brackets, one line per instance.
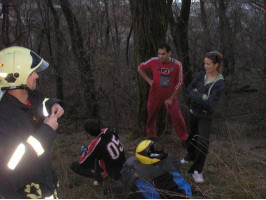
[198, 178]
[95, 183]
[183, 161]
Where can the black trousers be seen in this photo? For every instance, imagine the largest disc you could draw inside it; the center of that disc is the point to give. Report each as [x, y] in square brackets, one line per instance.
[198, 142]
[93, 171]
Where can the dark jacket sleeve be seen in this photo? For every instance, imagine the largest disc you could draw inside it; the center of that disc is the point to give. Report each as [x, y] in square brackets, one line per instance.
[208, 104]
[44, 132]
[87, 158]
[46, 135]
[7, 145]
[51, 102]
[37, 100]
[9, 142]
[190, 93]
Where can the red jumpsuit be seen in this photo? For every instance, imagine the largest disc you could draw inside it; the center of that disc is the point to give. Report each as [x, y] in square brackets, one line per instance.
[158, 95]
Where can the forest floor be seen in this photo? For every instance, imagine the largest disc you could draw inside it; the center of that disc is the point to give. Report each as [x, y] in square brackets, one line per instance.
[235, 166]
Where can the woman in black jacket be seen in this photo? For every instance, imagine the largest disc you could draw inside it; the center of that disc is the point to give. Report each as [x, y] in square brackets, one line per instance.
[204, 92]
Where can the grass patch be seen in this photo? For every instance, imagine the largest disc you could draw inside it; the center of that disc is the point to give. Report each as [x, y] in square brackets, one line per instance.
[235, 165]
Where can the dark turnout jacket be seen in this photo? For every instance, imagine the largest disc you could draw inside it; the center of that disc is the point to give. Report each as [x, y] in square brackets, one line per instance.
[17, 123]
[200, 106]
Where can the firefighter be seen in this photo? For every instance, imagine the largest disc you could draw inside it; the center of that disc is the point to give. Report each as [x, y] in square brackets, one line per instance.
[152, 173]
[26, 134]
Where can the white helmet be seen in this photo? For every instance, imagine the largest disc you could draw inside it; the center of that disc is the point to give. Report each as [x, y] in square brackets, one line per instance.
[16, 64]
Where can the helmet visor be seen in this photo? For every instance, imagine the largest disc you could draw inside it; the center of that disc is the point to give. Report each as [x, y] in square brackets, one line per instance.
[157, 151]
[38, 62]
[42, 67]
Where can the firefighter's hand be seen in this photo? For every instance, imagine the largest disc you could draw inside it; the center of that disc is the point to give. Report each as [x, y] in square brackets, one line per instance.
[57, 110]
[168, 102]
[52, 121]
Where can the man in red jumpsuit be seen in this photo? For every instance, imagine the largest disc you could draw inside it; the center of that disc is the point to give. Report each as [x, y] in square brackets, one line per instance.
[165, 85]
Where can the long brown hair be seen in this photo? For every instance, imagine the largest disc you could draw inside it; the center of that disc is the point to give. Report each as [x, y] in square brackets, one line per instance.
[216, 57]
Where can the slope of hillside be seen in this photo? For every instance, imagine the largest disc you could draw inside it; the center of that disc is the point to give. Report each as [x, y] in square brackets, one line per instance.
[235, 167]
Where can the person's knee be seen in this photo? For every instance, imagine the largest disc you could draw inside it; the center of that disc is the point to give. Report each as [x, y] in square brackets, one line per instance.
[203, 144]
[74, 166]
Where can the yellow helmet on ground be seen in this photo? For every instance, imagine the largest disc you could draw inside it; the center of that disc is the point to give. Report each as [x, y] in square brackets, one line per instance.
[147, 154]
[16, 64]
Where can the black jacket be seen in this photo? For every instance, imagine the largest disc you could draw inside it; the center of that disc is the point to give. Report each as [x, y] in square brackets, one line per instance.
[199, 106]
[107, 149]
[17, 123]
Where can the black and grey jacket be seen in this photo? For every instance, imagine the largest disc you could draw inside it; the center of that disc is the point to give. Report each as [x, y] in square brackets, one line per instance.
[204, 100]
[19, 123]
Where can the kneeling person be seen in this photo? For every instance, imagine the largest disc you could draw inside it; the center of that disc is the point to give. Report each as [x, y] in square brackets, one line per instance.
[104, 157]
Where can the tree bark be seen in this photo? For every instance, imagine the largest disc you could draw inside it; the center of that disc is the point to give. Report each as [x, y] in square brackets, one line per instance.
[108, 25]
[264, 37]
[116, 37]
[58, 52]
[83, 59]
[5, 23]
[18, 33]
[179, 32]
[207, 38]
[128, 40]
[226, 39]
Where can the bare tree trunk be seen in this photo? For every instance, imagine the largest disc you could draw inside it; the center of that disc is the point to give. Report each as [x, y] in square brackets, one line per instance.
[5, 23]
[226, 39]
[128, 40]
[264, 49]
[19, 26]
[40, 42]
[206, 39]
[107, 31]
[179, 32]
[83, 59]
[44, 13]
[116, 37]
[264, 38]
[149, 26]
[58, 52]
